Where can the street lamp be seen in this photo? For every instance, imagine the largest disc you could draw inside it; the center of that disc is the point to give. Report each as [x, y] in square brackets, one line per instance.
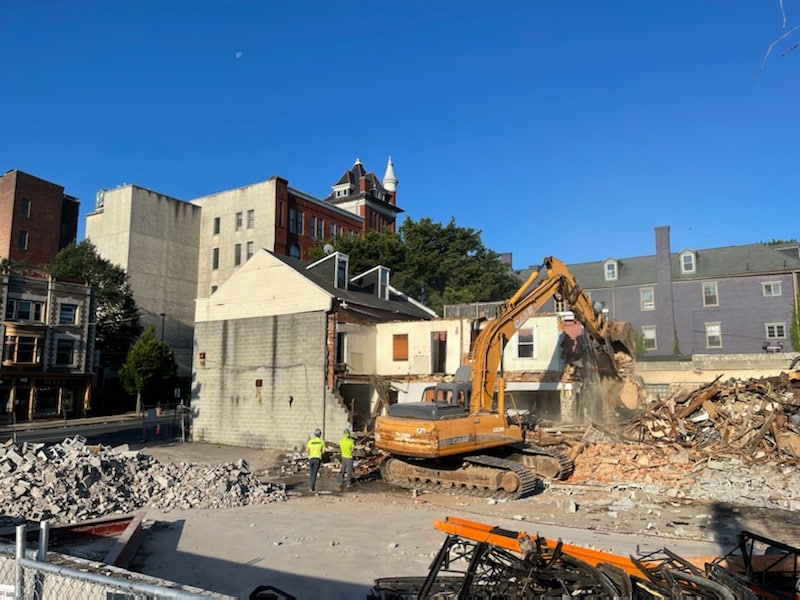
[163, 316]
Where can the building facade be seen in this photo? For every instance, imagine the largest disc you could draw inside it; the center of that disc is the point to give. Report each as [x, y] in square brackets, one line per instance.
[271, 367]
[730, 300]
[48, 332]
[37, 219]
[176, 251]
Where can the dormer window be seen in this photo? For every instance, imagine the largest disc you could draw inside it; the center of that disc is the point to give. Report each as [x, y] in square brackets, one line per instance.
[688, 261]
[383, 283]
[342, 266]
[342, 191]
[610, 270]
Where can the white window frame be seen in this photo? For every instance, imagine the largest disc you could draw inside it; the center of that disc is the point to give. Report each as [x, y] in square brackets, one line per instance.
[771, 289]
[649, 336]
[610, 270]
[713, 330]
[250, 250]
[251, 218]
[688, 262]
[644, 303]
[709, 285]
[238, 221]
[237, 255]
[775, 331]
[528, 343]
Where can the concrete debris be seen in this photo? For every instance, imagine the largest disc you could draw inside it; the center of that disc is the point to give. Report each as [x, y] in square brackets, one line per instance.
[733, 442]
[71, 482]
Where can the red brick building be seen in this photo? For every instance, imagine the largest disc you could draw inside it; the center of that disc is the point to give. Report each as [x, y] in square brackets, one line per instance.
[37, 219]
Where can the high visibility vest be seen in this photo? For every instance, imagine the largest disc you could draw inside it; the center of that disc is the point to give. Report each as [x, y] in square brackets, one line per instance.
[346, 446]
[315, 446]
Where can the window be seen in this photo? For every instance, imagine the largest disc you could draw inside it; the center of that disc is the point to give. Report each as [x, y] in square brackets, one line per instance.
[24, 310]
[67, 314]
[649, 337]
[383, 283]
[713, 335]
[21, 349]
[342, 264]
[400, 346]
[296, 221]
[317, 228]
[525, 343]
[249, 253]
[772, 288]
[776, 331]
[215, 258]
[238, 221]
[251, 218]
[710, 294]
[65, 351]
[237, 255]
[23, 240]
[647, 299]
[610, 271]
[320, 228]
[687, 262]
[294, 251]
[25, 208]
[216, 225]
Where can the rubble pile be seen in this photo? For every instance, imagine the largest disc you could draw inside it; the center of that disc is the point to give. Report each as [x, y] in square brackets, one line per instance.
[736, 441]
[753, 420]
[72, 481]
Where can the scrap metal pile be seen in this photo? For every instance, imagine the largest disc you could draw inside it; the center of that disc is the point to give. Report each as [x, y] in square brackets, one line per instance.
[479, 561]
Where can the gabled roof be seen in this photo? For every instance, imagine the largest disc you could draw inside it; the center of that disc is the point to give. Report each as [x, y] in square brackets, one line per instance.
[728, 261]
[321, 274]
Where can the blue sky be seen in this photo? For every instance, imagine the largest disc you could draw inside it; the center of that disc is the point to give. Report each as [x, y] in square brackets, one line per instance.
[568, 128]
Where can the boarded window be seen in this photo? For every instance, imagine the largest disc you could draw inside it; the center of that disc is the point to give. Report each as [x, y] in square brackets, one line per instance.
[400, 346]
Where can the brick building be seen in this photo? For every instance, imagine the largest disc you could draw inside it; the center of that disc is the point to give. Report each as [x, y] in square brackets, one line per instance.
[37, 219]
[176, 251]
[48, 332]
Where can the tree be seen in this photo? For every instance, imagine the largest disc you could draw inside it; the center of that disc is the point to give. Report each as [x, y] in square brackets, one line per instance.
[149, 369]
[432, 263]
[117, 315]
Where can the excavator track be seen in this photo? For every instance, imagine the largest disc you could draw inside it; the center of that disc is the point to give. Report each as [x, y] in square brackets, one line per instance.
[549, 464]
[482, 476]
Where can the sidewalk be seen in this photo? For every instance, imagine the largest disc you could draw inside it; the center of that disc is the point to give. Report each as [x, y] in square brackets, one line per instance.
[167, 416]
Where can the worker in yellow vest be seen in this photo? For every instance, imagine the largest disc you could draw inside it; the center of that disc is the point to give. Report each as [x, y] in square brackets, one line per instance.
[346, 449]
[315, 446]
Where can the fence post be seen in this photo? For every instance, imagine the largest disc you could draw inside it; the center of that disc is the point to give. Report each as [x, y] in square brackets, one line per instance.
[19, 583]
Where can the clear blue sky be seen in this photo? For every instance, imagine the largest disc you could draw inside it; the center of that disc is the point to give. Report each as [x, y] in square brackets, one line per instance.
[568, 128]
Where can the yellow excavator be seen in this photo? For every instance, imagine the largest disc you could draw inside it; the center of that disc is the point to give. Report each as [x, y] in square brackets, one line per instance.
[461, 437]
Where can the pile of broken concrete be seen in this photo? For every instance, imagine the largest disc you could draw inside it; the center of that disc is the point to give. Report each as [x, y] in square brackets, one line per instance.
[71, 481]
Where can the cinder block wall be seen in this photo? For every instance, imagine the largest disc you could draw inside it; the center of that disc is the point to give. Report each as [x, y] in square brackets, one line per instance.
[287, 355]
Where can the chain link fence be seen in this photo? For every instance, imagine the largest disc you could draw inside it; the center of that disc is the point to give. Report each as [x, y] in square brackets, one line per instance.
[29, 575]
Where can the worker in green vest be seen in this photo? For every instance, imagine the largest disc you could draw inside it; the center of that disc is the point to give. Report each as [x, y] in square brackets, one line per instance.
[315, 446]
[346, 449]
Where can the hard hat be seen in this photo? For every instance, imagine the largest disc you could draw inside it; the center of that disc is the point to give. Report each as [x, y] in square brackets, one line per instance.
[346, 432]
[317, 432]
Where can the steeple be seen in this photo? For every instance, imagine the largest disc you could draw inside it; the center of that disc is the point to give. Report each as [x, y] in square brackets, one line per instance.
[389, 180]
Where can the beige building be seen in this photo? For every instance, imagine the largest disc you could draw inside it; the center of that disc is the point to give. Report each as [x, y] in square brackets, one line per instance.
[155, 239]
[176, 251]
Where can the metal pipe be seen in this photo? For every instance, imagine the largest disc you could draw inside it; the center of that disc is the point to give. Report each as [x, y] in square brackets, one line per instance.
[19, 583]
[44, 541]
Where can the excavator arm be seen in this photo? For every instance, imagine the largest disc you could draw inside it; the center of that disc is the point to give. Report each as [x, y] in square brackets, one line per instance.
[551, 279]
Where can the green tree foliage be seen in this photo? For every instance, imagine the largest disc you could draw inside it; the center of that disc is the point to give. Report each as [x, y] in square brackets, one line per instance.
[149, 370]
[795, 331]
[433, 263]
[117, 316]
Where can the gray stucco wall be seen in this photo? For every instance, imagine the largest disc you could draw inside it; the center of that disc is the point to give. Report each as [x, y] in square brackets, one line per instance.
[287, 354]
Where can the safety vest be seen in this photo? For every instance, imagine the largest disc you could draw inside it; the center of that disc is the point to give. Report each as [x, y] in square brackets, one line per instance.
[346, 446]
[315, 446]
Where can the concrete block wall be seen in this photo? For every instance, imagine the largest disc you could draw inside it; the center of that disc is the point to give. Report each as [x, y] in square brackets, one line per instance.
[286, 355]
